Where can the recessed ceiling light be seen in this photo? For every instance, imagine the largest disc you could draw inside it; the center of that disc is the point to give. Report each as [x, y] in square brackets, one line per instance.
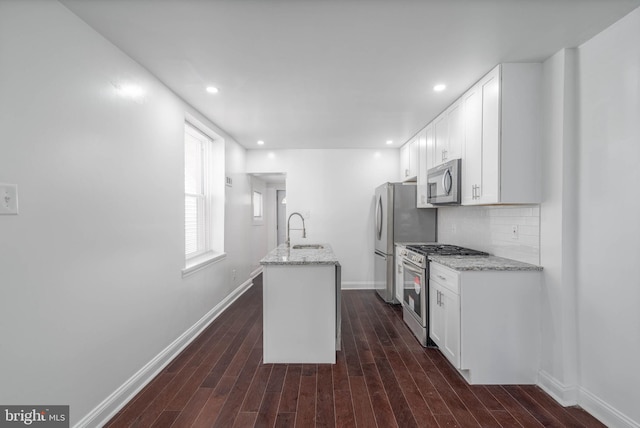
[212, 89]
[440, 87]
[389, 142]
[260, 143]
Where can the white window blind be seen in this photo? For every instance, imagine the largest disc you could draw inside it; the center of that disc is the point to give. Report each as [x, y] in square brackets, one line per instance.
[197, 200]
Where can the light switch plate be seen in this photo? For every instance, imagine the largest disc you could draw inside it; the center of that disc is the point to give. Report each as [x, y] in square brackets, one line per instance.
[8, 198]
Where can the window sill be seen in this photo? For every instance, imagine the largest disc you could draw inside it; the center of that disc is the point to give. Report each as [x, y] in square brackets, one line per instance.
[197, 263]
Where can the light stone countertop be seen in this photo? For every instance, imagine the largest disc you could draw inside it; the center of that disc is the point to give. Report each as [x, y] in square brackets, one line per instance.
[479, 263]
[285, 255]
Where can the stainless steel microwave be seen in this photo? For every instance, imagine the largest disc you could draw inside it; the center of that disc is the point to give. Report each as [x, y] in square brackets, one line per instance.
[443, 183]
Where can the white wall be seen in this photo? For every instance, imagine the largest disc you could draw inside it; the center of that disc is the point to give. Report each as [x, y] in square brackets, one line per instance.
[559, 360]
[334, 189]
[490, 229]
[608, 226]
[91, 287]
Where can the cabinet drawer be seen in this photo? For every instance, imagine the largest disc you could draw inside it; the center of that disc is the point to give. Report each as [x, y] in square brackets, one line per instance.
[444, 276]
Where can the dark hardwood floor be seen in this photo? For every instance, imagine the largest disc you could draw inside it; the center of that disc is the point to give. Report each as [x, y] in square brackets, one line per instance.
[383, 378]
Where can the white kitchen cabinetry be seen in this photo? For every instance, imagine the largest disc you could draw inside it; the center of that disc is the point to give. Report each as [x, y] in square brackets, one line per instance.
[441, 138]
[409, 160]
[399, 274]
[449, 133]
[501, 156]
[487, 323]
[455, 123]
[426, 146]
[444, 310]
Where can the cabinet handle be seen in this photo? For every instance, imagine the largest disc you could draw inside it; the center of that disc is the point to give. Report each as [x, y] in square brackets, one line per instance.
[437, 297]
[441, 277]
[475, 191]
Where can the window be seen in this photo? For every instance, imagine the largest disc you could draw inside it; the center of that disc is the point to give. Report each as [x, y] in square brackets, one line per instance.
[196, 195]
[203, 198]
[257, 205]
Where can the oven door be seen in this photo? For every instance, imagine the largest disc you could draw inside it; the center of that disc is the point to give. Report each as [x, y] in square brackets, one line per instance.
[414, 291]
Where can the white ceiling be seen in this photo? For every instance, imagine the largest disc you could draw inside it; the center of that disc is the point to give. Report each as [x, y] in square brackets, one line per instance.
[336, 73]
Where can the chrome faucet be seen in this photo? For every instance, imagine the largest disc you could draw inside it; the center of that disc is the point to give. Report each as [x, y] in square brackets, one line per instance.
[304, 231]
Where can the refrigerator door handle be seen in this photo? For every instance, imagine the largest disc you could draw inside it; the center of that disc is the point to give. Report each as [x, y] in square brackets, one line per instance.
[379, 217]
[381, 254]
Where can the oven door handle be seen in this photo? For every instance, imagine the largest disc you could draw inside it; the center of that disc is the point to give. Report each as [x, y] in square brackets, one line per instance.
[412, 268]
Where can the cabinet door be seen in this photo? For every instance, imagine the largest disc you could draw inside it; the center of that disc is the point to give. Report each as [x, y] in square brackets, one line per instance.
[490, 86]
[472, 159]
[444, 321]
[413, 157]
[455, 119]
[399, 276]
[450, 304]
[404, 162]
[441, 134]
[437, 319]
[424, 156]
[430, 147]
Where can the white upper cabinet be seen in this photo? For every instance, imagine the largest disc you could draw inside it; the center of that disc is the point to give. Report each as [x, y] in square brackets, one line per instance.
[501, 149]
[455, 119]
[471, 169]
[449, 133]
[409, 160]
[441, 138]
[426, 145]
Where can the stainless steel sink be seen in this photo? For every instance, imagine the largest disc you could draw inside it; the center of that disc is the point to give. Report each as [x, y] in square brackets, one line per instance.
[308, 247]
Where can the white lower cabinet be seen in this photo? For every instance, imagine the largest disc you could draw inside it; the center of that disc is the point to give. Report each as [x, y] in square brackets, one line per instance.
[444, 307]
[487, 323]
[399, 274]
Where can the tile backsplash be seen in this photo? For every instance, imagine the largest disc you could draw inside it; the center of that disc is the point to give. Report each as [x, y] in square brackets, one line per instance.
[491, 229]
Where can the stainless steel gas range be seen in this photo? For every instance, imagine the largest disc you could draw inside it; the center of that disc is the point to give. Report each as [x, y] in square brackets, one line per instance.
[415, 284]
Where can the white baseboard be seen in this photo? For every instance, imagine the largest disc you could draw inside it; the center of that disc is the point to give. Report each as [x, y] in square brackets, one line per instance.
[357, 285]
[101, 414]
[607, 414]
[574, 395]
[256, 272]
[563, 394]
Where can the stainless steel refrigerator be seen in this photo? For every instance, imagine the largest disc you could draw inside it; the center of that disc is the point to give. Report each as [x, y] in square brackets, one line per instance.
[398, 220]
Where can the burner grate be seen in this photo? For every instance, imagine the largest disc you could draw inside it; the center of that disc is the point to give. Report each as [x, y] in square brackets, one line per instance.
[445, 250]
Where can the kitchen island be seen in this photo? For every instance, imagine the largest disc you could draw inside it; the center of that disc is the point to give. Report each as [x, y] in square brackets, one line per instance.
[301, 304]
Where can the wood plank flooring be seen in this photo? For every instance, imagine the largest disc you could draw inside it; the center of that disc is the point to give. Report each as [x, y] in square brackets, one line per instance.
[382, 378]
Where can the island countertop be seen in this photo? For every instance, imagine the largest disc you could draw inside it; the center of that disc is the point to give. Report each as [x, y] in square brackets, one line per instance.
[288, 255]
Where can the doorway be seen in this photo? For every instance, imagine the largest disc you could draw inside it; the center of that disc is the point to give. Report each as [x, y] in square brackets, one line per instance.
[281, 209]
